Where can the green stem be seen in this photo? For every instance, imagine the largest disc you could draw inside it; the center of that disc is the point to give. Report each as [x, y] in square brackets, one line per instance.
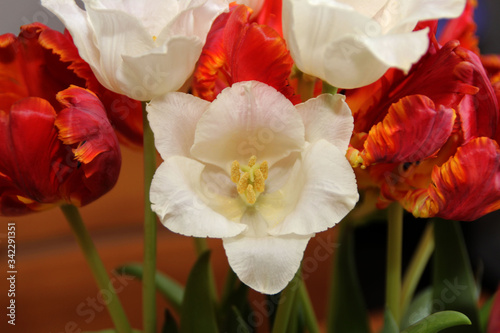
[417, 265]
[148, 281]
[200, 245]
[393, 268]
[114, 306]
[286, 305]
[305, 86]
[311, 321]
[329, 89]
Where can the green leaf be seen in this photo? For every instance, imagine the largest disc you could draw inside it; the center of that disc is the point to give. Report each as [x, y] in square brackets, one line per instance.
[169, 325]
[484, 312]
[453, 282]
[390, 325]
[347, 312]
[197, 312]
[235, 299]
[170, 289]
[439, 321]
[420, 307]
[242, 325]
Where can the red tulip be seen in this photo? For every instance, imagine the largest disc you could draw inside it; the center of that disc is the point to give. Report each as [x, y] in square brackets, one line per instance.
[56, 153]
[41, 62]
[427, 139]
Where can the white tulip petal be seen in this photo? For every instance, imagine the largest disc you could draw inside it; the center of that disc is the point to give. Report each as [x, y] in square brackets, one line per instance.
[318, 196]
[153, 14]
[368, 38]
[182, 203]
[196, 18]
[173, 118]
[156, 73]
[265, 263]
[250, 118]
[424, 10]
[308, 26]
[399, 51]
[117, 34]
[327, 117]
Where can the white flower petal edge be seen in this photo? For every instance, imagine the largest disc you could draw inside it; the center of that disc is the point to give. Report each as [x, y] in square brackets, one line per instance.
[263, 262]
[132, 55]
[175, 136]
[180, 199]
[327, 117]
[367, 41]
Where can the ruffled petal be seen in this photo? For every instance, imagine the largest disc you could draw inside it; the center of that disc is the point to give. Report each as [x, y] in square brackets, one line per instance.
[238, 50]
[183, 201]
[250, 118]
[84, 126]
[327, 117]
[445, 76]
[265, 263]
[75, 20]
[173, 118]
[318, 194]
[464, 188]
[414, 129]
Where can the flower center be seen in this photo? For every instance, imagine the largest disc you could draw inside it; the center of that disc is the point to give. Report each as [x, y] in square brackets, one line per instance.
[250, 179]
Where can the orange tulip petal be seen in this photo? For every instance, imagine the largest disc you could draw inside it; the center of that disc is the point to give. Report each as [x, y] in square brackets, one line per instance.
[413, 130]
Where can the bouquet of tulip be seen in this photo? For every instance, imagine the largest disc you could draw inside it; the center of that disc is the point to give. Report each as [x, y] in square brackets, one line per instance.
[275, 120]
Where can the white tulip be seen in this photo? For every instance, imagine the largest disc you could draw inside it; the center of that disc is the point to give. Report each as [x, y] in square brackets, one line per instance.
[352, 43]
[255, 170]
[141, 48]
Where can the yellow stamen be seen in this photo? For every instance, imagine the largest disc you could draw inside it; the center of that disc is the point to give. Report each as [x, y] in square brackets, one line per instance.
[250, 195]
[235, 172]
[154, 38]
[249, 179]
[243, 183]
[259, 181]
[252, 160]
[264, 168]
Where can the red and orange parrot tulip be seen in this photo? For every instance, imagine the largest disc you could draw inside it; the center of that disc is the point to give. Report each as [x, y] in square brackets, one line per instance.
[57, 145]
[41, 62]
[239, 49]
[427, 139]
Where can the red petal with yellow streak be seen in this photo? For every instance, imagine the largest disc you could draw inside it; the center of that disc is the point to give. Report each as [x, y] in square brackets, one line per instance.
[464, 188]
[413, 130]
[444, 75]
[237, 50]
[40, 62]
[83, 125]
